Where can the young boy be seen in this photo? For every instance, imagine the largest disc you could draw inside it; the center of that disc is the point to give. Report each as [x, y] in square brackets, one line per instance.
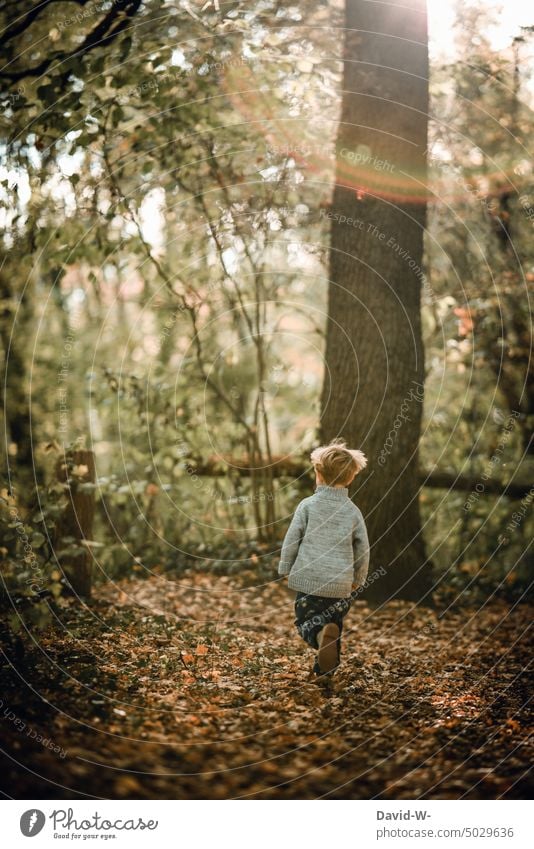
[325, 552]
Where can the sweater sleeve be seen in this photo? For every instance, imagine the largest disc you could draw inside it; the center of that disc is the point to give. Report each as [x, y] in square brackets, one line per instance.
[360, 547]
[292, 540]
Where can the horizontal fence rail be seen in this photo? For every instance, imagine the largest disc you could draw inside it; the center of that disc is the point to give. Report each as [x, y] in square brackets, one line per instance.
[223, 465]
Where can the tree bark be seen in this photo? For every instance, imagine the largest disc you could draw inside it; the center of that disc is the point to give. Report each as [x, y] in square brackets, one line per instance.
[374, 361]
[23, 470]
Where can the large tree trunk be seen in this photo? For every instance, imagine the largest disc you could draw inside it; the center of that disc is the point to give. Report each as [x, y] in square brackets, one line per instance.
[374, 355]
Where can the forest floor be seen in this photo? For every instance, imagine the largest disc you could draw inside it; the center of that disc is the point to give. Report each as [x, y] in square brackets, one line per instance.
[200, 687]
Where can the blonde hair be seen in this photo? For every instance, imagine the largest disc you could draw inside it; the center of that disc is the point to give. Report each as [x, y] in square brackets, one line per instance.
[336, 463]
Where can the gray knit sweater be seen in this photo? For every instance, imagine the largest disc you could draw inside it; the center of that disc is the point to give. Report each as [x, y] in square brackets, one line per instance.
[325, 549]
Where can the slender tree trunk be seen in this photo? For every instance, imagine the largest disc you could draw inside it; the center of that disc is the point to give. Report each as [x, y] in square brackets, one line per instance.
[78, 467]
[22, 469]
[374, 375]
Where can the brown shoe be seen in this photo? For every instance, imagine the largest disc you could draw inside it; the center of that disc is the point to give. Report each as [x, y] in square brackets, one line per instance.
[326, 684]
[327, 641]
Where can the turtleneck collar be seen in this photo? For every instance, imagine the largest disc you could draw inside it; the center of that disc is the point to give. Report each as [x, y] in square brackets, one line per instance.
[332, 491]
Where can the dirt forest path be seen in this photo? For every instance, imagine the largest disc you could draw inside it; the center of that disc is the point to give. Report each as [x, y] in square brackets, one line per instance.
[199, 688]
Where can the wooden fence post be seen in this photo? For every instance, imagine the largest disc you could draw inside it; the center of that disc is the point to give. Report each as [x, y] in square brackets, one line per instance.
[75, 468]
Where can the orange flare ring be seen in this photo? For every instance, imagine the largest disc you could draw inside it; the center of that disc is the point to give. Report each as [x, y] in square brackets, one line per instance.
[356, 169]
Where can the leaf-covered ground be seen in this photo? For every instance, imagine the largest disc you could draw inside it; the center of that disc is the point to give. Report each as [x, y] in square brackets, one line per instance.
[200, 688]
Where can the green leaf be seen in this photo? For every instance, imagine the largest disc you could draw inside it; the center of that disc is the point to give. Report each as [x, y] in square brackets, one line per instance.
[38, 539]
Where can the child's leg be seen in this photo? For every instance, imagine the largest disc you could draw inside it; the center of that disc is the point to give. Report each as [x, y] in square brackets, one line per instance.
[314, 613]
[306, 624]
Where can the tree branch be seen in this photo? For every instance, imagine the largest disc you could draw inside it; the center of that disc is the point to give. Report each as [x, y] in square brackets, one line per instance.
[25, 21]
[116, 20]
